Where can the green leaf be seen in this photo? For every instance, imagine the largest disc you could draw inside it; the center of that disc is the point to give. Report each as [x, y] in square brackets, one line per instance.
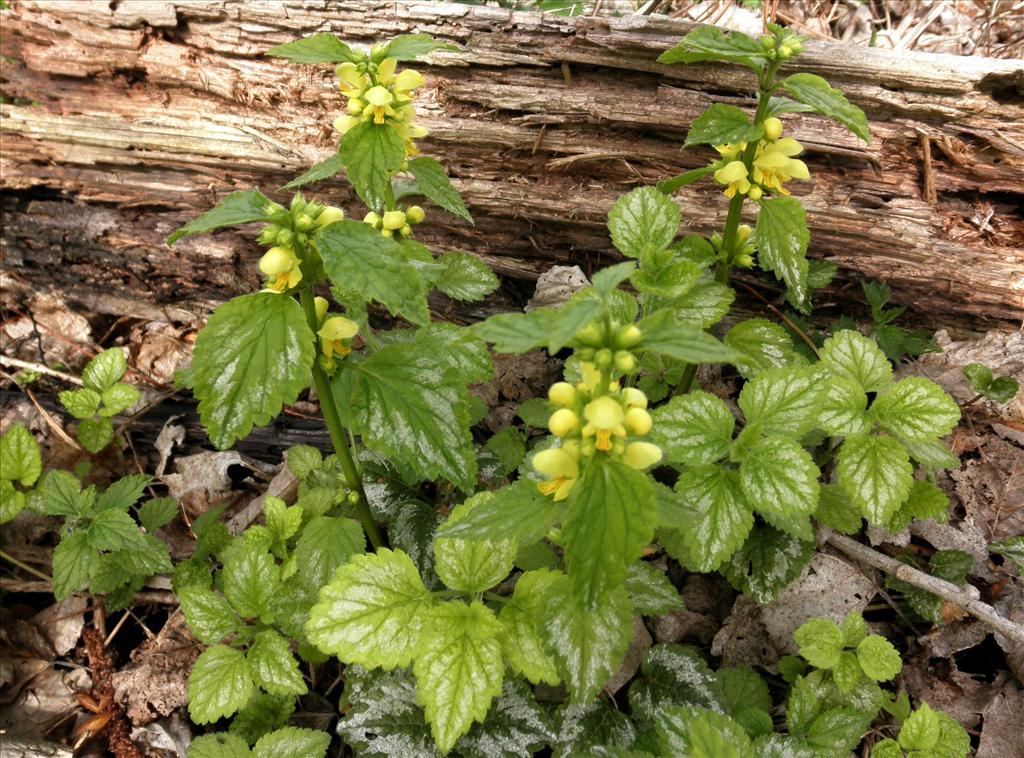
[693, 429]
[876, 474]
[814, 91]
[722, 517]
[837, 510]
[408, 47]
[878, 658]
[459, 670]
[508, 446]
[998, 390]
[608, 279]
[473, 565]
[781, 237]
[254, 355]
[372, 611]
[319, 48]
[843, 408]
[650, 591]
[979, 377]
[709, 43]
[700, 733]
[73, 559]
[704, 305]
[81, 403]
[237, 208]
[587, 644]
[779, 477]
[220, 684]
[643, 222]
[384, 719]
[273, 666]
[465, 277]
[358, 258]
[414, 410]
[931, 454]
[20, 460]
[951, 565]
[609, 518]
[325, 169]
[516, 725]
[722, 124]
[518, 511]
[249, 580]
[209, 617]
[742, 687]
[852, 356]
[12, 502]
[1012, 548]
[847, 672]
[519, 617]
[95, 433]
[292, 742]
[674, 675]
[372, 154]
[803, 703]
[916, 408]
[412, 531]
[668, 186]
[1003, 389]
[459, 349]
[594, 729]
[303, 459]
[115, 530]
[118, 398]
[325, 544]
[669, 282]
[124, 493]
[663, 333]
[784, 401]
[837, 731]
[434, 183]
[767, 563]
[761, 344]
[782, 746]
[854, 629]
[219, 745]
[925, 501]
[820, 641]
[921, 731]
[953, 737]
[542, 327]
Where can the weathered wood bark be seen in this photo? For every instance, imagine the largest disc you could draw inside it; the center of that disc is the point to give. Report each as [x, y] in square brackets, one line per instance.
[123, 119]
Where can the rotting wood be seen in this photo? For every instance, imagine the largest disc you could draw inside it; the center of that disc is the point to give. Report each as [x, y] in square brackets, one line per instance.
[147, 113]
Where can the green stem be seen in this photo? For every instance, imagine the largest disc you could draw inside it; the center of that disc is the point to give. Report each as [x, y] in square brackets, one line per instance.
[338, 433]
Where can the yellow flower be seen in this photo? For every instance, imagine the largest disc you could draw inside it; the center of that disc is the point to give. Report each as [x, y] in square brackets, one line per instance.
[393, 220]
[561, 467]
[775, 164]
[343, 123]
[563, 422]
[734, 176]
[378, 101]
[386, 71]
[604, 417]
[333, 332]
[320, 305]
[638, 421]
[329, 215]
[634, 398]
[349, 79]
[562, 394]
[641, 455]
[408, 80]
[281, 266]
[415, 215]
[731, 152]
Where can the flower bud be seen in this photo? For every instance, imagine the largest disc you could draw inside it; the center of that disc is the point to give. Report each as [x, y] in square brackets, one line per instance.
[415, 215]
[755, 193]
[355, 106]
[591, 335]
[387, 233]
[638, 421]
[743, 232]
[772, 128]
[562, 394]
[744, 261]
[353, 498]
[342, 124]
[625, 362]
[321, 308]
[406, 231]
[562, 422]
[403, 166]
[634, 398]
[285, 237]
[304, 222]
[277, 261]
[628, 336]
[603, 358]
[393, 220]
[268, 236]
[298, 204]
[641, 455]
[329, 215]
[585, 354]
[372, 219]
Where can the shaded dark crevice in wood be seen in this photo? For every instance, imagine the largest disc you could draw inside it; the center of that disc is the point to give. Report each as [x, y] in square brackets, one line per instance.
[149, 114]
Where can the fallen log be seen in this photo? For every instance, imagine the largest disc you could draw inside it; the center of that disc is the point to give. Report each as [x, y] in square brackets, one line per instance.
[122, 120]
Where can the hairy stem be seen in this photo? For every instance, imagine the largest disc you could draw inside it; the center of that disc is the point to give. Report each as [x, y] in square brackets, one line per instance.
[338, 433]
[967, 597]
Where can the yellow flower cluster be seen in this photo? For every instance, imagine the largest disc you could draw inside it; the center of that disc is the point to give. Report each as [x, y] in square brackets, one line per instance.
[396, 222]
[280, 264]
[589, 426]
[375, 92]
[774, 164]
[334, 333]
